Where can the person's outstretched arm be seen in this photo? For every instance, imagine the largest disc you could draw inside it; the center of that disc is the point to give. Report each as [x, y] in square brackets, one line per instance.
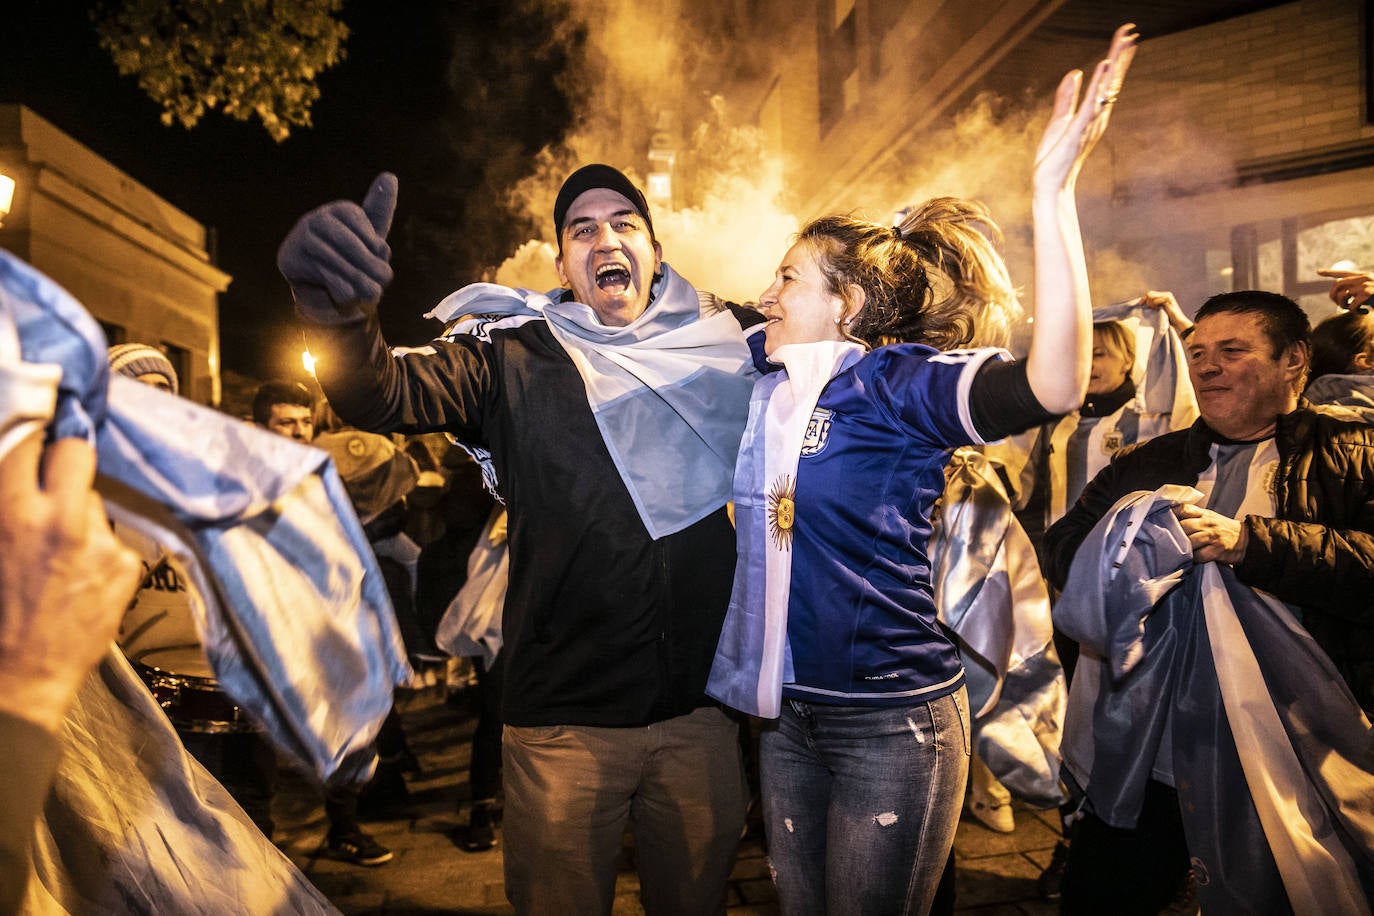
[1060, 356]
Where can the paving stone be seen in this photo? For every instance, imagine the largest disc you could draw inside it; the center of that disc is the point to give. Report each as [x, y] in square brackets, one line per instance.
[973, 840]
[995, 880]
[1040, 857]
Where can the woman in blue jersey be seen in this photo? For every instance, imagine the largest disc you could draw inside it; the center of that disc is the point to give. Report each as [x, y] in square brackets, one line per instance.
[832, 626]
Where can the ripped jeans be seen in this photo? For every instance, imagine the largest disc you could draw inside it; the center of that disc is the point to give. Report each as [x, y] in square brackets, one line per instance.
[861, 803]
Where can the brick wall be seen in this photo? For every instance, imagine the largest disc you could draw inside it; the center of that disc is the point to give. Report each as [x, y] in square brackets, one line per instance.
[1278, 83]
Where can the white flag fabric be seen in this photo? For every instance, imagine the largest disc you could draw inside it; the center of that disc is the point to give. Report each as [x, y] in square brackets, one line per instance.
[752, 660]
[1219, 685]
[668, 391]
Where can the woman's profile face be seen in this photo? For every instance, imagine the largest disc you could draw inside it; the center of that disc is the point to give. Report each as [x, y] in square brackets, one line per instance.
[1110, 367]
[799, 306]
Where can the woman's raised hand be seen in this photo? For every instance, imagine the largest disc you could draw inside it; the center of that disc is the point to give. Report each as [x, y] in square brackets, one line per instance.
[1074, 129]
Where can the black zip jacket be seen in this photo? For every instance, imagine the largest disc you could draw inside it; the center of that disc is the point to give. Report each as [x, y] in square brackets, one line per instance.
[1316, 553]
[603, 625]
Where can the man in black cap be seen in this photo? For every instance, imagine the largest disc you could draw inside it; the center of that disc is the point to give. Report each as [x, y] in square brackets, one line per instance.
[612, 410]
[607, 253]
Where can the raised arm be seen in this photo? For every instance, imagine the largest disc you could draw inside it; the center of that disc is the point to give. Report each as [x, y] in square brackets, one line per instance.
[1060, 356]
[338, 263]
[336, 257]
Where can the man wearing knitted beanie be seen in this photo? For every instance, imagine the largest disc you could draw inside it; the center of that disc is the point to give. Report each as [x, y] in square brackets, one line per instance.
[160, 619]
[145, 364]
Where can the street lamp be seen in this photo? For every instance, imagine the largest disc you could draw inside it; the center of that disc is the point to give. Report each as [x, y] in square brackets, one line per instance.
[308, 361]
[6, 196]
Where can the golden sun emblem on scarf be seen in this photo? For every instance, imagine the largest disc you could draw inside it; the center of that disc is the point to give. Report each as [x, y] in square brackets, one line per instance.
[782, 512]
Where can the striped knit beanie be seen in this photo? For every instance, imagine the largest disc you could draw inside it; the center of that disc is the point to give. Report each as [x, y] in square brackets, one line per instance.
[135, 359]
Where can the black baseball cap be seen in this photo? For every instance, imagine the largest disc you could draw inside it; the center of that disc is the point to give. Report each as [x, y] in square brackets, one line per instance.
[594, 176]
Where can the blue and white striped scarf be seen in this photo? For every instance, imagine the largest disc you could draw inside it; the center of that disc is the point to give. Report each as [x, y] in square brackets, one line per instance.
[669, 390]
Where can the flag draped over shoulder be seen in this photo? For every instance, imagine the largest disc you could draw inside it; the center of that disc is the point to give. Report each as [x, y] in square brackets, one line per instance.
[1198, 677]
[669, 391]
[752, 659]
[989, 592]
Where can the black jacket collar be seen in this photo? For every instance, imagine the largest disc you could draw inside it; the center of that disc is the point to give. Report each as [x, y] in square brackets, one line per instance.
[1102, 405]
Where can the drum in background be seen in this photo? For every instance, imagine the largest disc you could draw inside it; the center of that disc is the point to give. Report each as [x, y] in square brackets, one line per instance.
[183, 684]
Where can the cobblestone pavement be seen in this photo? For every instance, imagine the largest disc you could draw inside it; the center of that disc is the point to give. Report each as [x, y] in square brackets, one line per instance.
[432, 874]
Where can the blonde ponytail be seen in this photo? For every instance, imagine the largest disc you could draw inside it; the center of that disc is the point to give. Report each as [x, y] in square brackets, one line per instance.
[935, 278]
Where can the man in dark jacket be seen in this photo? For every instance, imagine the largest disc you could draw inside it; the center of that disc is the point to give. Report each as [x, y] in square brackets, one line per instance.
[1288, 504]
[621, 551]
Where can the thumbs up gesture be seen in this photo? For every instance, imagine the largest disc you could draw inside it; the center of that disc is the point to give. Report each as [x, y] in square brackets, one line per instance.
[336, 257]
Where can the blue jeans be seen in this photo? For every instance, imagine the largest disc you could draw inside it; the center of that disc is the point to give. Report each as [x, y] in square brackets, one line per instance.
[571, 790]
[861, 803]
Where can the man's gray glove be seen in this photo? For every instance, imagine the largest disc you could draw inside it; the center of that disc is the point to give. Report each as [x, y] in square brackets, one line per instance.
[336, 257]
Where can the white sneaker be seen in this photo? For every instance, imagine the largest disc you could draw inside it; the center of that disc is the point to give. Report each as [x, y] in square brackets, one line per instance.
[994, 817]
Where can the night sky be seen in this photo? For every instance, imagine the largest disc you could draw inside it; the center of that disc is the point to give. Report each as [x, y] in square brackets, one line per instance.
[449, 96]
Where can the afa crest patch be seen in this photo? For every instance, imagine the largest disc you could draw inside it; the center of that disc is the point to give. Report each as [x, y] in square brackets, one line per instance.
[817, 432]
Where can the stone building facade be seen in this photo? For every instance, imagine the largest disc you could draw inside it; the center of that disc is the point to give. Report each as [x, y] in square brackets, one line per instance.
[142, 267]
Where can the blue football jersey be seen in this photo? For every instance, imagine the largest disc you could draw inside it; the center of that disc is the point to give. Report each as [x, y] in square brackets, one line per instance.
[861, 619]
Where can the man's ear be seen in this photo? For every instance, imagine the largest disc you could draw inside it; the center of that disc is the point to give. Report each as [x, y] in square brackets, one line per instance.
[658, 256]
[1363, 362]
[1296, 359]
[562, 277]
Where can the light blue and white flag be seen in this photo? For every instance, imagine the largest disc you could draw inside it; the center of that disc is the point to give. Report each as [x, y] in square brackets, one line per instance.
[669, 390]
[1216, 688]
[290, 605]
[990, 594]
[1164, 396]
[752, 659]
[134, 824]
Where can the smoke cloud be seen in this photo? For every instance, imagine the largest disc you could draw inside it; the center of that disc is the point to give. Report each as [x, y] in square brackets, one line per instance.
[734, 205]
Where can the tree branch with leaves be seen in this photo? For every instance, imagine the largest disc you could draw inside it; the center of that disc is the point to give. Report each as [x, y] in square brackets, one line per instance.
[245, 57]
